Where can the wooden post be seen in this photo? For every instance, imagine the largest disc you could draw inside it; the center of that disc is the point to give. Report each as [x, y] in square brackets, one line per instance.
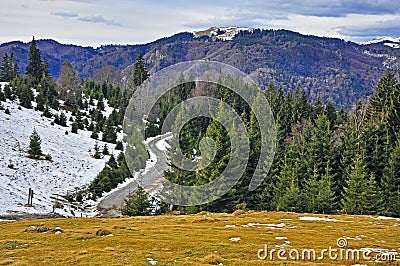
[29, 196]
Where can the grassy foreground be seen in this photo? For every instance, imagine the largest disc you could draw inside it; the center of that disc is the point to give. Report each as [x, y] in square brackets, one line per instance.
[202, 239]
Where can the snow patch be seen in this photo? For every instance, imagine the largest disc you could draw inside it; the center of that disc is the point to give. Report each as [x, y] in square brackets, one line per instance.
[163, 145]
[387, 218]
[152, 262]
[270, 226]
[382, 39]
[223, 33]
[310, 218]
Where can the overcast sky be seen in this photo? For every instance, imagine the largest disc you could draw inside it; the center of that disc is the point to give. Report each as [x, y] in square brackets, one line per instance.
[97, 22]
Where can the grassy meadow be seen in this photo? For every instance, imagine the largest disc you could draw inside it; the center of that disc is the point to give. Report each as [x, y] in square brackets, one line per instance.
[201, 239]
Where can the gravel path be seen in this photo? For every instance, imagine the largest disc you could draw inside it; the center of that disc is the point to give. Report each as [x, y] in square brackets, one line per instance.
[149, 179]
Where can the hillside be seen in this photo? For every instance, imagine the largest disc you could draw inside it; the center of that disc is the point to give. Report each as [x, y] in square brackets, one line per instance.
[332, 69]
[72, 165]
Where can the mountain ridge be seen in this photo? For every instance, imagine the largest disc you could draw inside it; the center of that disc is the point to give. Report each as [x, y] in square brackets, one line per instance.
[332, 69]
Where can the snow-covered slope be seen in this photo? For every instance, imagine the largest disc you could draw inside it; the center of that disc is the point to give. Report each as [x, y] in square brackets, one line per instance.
[388, 41]
[225, 34]
[72, 166]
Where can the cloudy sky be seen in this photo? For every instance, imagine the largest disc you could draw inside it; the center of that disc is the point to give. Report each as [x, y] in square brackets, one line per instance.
[97, 22]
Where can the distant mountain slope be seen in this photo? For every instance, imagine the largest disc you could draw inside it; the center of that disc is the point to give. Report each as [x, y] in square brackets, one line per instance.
[332, 69]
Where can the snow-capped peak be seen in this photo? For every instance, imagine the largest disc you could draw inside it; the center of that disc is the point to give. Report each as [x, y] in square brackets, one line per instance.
[223, 33]
[388, 41]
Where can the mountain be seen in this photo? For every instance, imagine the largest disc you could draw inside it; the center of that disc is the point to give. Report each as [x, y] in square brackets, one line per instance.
[332, 69]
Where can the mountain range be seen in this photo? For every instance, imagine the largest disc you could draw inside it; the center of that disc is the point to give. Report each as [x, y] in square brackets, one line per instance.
[331, 69]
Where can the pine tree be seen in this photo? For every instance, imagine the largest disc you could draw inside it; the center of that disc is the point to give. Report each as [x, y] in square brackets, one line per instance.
[14, 67]
[78, 120]
[311, 191]
[46, 112]
[112, 163]
[2, 96]
[34, 67]
[62, 120]
[326, 195]
[96, 154]
[140, 72]
[391, 183]
[137, 204]
[380, 101]
[373, 197]
[95, 134]
[45, 67]
[105, 150]
[35, 150]
[74, 127]
[356, 187]
[8, 93]
[5, 69]
[119, 146]
[26, 96]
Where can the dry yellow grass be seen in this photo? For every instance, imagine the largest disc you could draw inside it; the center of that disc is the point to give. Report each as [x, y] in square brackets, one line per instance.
[208, 239]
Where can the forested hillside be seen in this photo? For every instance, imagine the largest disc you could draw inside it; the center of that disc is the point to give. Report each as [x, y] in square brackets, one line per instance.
[327, 159]
[332, 69]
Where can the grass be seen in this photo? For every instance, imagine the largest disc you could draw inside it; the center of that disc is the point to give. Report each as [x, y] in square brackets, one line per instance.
[202, 239]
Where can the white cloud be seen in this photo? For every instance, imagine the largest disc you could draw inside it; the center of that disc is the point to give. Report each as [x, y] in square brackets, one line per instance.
[99, 19]
[65, 14]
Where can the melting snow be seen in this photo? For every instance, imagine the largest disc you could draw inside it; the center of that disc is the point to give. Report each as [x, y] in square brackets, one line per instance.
[152, 262]
[270, 226]
[309, 218]
[72, 167]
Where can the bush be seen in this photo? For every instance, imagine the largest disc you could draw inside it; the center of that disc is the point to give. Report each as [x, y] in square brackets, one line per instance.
[48, 157]
[74, 127]
[119, 146]
[7, 111]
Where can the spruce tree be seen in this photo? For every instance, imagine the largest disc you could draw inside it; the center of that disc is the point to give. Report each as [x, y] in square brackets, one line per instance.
[74, 128]
[105, 150]
[356, 186]
[380, 101]
[5, 69]
[35, 150]
[46, 112]
[78, 120]
[373, 197]
[34, 67]
[63, 119]
[26, 96]
[2, 96]
[140, 72]
[391, 183]
[326, 195]
[45, 67]
[14, 67]
[137, 204]
[95, 134]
